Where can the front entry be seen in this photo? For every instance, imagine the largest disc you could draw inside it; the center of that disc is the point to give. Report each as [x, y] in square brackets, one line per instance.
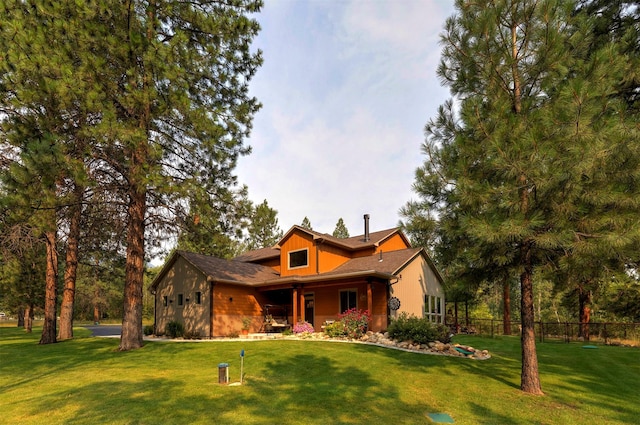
[309, 308]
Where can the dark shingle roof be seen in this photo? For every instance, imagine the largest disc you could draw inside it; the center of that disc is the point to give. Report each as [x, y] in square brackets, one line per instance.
[391, 262]
[258, 254]
[218, 269]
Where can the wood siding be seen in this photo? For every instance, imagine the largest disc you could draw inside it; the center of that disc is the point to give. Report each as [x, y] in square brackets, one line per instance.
[231, 303]
[186, 280]
[394, 243]
[418, 280]
[327, 302]
[296, 242]
[331, 257]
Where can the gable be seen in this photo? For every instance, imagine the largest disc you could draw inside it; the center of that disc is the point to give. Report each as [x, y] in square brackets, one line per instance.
[294, 248]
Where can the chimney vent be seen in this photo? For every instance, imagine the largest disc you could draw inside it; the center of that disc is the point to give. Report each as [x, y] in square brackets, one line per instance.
[366, 227]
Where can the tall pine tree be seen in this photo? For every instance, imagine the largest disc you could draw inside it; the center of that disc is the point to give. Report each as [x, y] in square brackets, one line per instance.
[533, 159]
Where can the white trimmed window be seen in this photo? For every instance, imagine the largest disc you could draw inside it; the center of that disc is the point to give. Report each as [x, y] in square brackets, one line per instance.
[299, 258]
[433, 308]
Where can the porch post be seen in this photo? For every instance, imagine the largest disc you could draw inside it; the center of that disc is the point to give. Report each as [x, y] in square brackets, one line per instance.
[370, 302]
[211, 306]
[302, 304]
[295, 305]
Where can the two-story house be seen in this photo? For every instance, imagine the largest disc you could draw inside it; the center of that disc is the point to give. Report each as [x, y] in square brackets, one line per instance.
[308, 276]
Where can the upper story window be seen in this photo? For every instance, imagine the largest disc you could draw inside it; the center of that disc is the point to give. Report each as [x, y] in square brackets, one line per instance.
[299, 258]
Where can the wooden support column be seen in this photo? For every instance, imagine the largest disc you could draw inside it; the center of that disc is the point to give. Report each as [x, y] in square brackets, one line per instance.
[370, 302]
[302, 305]
[295, 305]
[211, 310]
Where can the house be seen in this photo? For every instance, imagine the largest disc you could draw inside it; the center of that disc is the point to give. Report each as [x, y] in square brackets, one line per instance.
[308, 276]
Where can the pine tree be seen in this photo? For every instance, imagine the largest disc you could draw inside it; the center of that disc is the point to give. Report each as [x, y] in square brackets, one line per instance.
[264, 230]
[535, 160]
[169, 81]
[306, 224]
[341, 230]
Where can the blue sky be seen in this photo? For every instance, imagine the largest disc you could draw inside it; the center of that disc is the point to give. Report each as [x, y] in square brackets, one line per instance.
[347, 87]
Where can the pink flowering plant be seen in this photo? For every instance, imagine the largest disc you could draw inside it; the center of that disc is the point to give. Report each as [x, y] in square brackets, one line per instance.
[355, 322]
[302, 327]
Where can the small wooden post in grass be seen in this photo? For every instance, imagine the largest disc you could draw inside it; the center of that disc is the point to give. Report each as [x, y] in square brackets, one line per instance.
[241, 365]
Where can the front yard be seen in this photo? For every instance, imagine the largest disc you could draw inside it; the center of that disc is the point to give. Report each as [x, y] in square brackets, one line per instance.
[87, 381]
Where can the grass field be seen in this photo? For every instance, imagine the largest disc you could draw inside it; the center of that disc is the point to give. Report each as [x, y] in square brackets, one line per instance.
[87, 381]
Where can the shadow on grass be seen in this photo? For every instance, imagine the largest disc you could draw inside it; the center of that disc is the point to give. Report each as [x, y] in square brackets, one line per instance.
[311, 390]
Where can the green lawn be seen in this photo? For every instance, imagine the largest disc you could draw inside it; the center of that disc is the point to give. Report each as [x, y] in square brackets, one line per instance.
[87, 381]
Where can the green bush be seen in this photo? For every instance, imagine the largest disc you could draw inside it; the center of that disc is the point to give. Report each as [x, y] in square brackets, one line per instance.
[175, 329]
[335, 330]
[418, 330]
[148, 330]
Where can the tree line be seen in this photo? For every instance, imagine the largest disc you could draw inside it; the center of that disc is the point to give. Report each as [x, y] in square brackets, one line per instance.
[532, 168]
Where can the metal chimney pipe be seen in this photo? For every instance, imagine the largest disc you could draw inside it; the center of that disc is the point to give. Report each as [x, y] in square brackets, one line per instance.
[366, 227]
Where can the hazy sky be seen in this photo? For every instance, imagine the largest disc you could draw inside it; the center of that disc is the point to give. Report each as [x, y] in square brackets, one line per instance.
[347, 87]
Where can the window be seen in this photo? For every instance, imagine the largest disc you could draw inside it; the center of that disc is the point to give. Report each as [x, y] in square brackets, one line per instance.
[180, 299]
[433, 308]
[348, 300]
[198, 297]
[165, 301]
[299, 258]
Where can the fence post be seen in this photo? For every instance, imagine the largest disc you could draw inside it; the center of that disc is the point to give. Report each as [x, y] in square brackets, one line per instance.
[491, 328]
[604, 331]
[566, 332]
[541, 331]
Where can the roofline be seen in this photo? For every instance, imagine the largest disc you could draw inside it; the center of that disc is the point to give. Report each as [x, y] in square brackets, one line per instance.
[326, 238]
[306, 279]
[165, 268]
[425, 254]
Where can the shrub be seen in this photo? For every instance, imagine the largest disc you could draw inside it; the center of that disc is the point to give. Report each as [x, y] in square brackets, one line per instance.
[418, 330]
[335, 330]
[148, 330]
[175, 329]
[192, 335]
[355, 322]
[302, 327]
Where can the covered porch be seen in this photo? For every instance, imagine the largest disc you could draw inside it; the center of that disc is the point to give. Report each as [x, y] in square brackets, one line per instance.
[319, 301]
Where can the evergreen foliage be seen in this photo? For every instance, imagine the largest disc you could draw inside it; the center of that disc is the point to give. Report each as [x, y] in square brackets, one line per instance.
[341, 230]
[533, 165]
[306, 223]
[150, 99]
[263, 229]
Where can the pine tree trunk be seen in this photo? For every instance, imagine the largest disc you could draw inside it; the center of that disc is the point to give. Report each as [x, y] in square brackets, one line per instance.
[21, 313]
[51, 290]
[506, 307]
[70, 271]
[28, 318]
[530, 379]
[131, 337]
[584, 300]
